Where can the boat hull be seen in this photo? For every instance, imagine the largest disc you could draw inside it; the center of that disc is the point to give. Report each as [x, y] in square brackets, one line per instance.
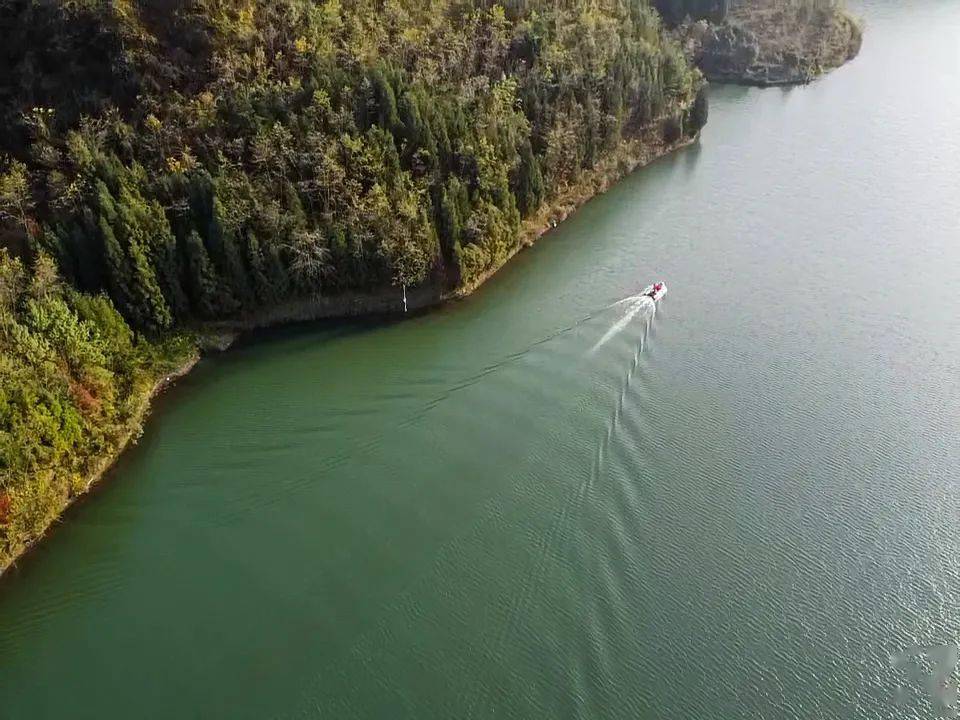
[655, 296]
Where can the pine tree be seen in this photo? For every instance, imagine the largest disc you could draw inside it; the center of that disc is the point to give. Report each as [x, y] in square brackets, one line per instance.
[698, 114]
[203, 285]
[420, 148]
[119, 277]
[146, 290]
[277, 272]
[222, 243]
[529, 190]
[294, 216]
[55, 241]
[262, 286]
[165, 258]
[378, 102]
[143, 227]
[449, 224]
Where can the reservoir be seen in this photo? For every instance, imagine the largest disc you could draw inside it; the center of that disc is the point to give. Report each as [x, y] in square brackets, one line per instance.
[551, 501]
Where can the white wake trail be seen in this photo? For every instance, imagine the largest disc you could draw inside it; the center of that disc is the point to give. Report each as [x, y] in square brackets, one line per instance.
[639, 304]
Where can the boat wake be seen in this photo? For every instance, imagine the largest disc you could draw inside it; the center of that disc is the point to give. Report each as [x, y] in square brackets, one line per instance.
[642, 306]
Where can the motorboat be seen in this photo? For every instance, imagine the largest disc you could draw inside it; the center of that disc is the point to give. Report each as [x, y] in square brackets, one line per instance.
[655, 291]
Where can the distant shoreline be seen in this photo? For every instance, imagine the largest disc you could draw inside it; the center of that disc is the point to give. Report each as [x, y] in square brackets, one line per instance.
[763, 45]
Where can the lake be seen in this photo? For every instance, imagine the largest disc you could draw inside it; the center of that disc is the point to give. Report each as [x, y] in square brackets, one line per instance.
[550, 501]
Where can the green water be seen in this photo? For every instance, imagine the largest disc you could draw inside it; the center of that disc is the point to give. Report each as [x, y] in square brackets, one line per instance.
[537, 503]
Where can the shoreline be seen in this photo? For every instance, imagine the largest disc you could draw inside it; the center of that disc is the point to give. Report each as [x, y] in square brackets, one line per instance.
[631, 155]
[105, 463]
[758, 45]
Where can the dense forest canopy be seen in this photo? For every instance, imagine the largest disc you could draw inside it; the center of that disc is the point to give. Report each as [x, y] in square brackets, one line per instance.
[165, 163]
[197, 159]
[72, 378]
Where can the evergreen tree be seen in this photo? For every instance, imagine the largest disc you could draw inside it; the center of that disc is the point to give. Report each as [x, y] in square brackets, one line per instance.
[698, 113]
[152, 306]
[144, 229]
[529, 186]
[332, 140]
[119, 275]
[203, 285]
[224, 249]
[55, 241]
[449, 224]
[165, 258]
[378, 102]
[420, 146]
[262, 286]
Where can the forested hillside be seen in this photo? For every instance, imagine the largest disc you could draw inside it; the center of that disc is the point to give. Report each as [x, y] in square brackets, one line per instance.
[764, 42]
[177, 162]
[202, 158]
[74, 381]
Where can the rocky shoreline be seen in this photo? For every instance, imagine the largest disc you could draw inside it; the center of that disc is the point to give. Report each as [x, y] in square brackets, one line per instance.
[767, 43]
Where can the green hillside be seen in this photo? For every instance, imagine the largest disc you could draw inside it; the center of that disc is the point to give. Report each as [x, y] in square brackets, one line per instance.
[169, 163]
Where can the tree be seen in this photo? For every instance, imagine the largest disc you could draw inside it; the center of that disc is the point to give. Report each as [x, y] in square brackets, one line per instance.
[156, 311]
[144, 226]
[529, 185]
[315, 147]
[309, 259]
[674, 11]
[699, 112]
[133, 280]
[44, 279]
[184, 161]
[227, 254]
[119, 277]
[13, 280]
[263, 288]
[449, 221]
[16, 200]
[203, 285]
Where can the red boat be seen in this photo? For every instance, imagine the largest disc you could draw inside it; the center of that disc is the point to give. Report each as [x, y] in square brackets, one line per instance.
[655, 291]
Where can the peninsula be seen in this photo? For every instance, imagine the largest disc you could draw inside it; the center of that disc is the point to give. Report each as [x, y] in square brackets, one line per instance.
[175, 170]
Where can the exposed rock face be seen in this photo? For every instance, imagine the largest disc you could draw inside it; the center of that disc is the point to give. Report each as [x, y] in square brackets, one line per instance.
[763, 42]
